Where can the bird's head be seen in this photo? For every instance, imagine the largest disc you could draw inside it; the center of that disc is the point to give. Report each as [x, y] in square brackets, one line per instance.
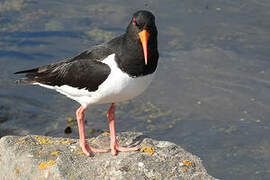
[143, 26]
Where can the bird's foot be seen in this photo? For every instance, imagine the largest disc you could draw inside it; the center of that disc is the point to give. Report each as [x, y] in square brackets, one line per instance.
[88, 149]
[116, 148]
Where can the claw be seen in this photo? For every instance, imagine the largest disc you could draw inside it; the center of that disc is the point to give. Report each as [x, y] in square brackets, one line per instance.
[117, 148]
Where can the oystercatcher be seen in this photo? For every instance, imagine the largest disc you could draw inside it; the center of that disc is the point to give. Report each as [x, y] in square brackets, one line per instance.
[111, 72]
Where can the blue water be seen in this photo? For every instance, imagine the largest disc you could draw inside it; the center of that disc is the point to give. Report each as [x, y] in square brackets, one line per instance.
[210, 94]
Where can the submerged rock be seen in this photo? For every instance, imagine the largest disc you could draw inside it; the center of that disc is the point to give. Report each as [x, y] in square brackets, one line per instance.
[40, 157]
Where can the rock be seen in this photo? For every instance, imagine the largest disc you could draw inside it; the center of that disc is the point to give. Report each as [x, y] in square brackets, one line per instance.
[41, 157]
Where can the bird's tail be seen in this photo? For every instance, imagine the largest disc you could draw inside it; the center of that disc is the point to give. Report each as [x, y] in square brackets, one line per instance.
[29, 76]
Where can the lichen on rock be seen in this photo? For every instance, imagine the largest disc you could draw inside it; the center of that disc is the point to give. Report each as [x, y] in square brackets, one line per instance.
[40, 157]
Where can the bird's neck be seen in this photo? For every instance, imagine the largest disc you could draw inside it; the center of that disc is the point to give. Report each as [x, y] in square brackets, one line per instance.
[130, 58]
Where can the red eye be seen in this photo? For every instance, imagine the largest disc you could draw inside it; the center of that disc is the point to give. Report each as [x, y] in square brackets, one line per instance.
[134, 21]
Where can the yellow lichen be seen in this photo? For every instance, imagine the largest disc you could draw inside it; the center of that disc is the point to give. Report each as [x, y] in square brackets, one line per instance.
[80, 152]
[67, 141]
[149, 150]
[51, 162]
[44, 140]
[17, 171]
[54, 153]
[22, 138]
[106, 133]
[49, 140]
[44, 165]
[23, 141]
[188, 163]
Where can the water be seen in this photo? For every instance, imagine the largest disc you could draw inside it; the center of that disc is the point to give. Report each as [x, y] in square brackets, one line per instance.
[210, 94]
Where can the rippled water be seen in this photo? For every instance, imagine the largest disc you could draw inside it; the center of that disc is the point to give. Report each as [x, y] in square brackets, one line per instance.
[210, 94]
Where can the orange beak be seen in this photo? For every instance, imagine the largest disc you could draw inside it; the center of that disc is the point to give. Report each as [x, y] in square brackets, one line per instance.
[144, 35]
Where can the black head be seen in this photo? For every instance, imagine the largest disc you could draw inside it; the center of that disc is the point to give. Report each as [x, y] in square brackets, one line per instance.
[142, 28]
[143, 20]
[138, 49]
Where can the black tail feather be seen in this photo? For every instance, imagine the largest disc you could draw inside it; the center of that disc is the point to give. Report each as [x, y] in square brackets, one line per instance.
[28, 79]
[27, 71]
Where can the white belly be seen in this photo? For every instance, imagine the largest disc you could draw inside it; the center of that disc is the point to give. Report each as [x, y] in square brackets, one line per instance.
[117, 87]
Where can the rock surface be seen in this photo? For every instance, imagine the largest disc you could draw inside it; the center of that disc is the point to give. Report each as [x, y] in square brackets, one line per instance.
[40, 157]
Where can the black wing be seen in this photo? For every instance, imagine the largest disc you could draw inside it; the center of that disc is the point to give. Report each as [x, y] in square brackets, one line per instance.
[85, 70]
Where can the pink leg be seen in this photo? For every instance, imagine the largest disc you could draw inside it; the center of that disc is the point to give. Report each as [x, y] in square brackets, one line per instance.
[85, 147]
[114, 146]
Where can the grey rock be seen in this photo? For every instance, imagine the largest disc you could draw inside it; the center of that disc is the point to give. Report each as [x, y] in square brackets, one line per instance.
[41, 157]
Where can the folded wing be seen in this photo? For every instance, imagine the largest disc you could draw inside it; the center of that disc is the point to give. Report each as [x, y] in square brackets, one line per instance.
[85, 70]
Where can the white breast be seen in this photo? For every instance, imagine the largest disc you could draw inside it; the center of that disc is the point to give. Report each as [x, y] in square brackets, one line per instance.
[119, 86]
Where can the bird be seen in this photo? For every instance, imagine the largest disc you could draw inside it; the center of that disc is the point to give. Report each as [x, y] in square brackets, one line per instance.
[114, 71]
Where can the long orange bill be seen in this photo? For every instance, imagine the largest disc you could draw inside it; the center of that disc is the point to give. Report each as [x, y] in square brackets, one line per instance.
[144, 35]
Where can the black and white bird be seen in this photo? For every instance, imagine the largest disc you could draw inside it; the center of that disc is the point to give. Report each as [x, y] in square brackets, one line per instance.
[115, 71]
